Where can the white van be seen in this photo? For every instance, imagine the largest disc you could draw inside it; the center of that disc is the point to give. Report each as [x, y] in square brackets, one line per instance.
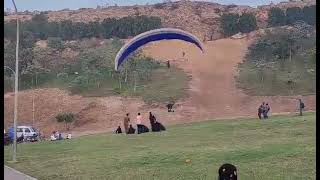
[26, 131]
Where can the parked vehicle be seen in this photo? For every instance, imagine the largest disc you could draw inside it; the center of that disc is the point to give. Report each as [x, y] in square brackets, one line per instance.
[27, 132]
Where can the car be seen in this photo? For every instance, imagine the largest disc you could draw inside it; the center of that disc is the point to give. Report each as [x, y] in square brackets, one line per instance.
[27, 132]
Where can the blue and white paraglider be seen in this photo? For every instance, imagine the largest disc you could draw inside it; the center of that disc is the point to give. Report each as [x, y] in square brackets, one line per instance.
[151, 36]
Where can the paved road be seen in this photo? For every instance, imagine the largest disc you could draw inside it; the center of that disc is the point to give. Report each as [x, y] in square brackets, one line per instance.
[12, 174]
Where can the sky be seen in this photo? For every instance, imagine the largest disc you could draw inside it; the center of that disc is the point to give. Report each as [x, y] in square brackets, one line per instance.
[44, 5]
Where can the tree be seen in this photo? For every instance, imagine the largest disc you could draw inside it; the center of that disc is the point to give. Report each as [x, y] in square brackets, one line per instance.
[66, 30]
[27, 39]
[65, 117]
[229, 24]
[247, 23]
[38, 25]
[293, 14]
[10, 30]
[309, 14]
[276, 17]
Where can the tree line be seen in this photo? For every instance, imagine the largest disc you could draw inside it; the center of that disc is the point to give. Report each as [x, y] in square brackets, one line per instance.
[233, 23]
[40, 28]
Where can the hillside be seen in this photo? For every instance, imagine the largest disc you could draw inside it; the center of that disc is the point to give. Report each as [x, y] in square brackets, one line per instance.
[212, 93]
[199, 18]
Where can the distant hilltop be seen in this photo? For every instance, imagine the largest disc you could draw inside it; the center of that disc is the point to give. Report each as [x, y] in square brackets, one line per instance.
[199, 18]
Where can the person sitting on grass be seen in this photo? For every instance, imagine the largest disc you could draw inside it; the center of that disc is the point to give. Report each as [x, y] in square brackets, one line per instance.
[69, 136]
[53, 137]
[118, 131]
[131, 130]
[227, 172]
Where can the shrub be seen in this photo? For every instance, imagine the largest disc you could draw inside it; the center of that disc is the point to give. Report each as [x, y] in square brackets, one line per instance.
[65, 117]
[276, 17]
[247, 23]
[229, 24]
[293, 14]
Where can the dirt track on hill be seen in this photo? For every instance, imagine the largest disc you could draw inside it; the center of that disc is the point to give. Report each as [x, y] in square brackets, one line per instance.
[212, 94]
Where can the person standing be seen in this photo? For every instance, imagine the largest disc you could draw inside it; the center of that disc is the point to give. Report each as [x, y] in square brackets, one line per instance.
[152, 121]
[126, 121]
[139, 120]
[301, 106]
[267, 109]
[260, 110]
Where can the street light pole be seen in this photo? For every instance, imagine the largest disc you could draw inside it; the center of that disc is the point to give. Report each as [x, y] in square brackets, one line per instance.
[14, 159]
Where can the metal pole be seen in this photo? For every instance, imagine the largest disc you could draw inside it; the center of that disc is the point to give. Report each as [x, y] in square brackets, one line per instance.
[14, 159]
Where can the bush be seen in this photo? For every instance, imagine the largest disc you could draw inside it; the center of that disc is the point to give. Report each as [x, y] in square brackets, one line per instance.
[55, 43]
[229, 24]
[276, 17]
[65, 117]
[293, 14]
[247, 23]
[309, 14]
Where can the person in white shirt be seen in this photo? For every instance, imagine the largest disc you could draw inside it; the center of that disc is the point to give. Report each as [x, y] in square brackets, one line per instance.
[69, 136]
[53, 138]
[139, 122]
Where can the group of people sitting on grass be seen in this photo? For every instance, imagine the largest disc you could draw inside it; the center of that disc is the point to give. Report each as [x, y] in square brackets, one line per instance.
[263, 110]
[141, 128]
[56, 135]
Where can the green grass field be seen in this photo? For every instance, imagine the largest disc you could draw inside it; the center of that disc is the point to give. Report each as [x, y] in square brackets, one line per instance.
[283, 147]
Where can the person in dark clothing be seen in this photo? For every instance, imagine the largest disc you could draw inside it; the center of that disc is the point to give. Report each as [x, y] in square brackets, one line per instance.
[161, 127]
[20, 139]
[263, 107]
[7, 139]
[168, 64]
[267, 109]
[301, 106]
[152, 121]
[227, 172]
[144, 129]
[260, 110]
[131, 130]
[157, 125]
[169, 106]
[118, 131]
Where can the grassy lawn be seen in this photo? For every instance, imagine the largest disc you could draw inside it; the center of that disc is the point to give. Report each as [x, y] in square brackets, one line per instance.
[282, 147]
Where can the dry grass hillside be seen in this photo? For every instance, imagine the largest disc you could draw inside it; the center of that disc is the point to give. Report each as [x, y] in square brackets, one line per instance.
[199, 18]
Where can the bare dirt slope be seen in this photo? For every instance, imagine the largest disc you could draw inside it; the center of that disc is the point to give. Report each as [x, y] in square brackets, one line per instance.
[212, 94]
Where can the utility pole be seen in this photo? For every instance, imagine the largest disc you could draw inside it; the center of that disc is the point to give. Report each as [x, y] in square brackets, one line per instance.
[14, 157]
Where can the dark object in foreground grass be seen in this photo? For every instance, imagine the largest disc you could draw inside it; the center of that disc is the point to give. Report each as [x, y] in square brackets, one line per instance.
[143, 129]
[227, 172]
[118, 131]
[131, 130]
[169, 106]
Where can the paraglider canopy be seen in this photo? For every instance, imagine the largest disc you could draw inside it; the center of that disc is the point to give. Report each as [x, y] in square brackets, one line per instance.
[151, 36]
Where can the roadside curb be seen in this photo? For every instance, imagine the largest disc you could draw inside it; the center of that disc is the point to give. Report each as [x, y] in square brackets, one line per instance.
[20, 173]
